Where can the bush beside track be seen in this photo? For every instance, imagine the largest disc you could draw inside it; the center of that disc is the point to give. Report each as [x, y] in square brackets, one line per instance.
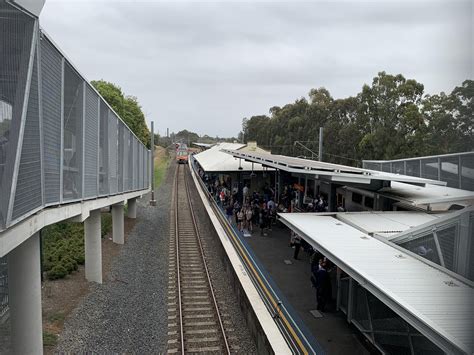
[63, 246]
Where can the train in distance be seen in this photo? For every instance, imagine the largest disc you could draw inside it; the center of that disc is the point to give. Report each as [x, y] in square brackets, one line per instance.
[181, 153]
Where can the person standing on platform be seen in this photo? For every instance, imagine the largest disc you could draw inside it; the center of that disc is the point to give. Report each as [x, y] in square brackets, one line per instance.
[323, 287]
[248, 218]
[296, 245]
[229, 212]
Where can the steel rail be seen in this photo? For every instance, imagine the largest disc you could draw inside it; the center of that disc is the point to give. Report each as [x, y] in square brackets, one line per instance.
[176, 232]
[198, 237]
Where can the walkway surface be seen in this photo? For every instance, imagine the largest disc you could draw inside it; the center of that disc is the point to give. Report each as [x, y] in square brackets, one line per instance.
[332, 331]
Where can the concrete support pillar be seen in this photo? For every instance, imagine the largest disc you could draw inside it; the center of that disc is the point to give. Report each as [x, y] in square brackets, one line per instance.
[24, 295]
[132, 208]
[93, 247]
[117, 223]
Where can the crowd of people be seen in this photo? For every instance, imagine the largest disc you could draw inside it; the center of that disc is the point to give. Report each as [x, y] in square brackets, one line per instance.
[251, 211]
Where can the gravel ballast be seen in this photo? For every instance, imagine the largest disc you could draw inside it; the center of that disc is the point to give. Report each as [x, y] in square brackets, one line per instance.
[128, 312]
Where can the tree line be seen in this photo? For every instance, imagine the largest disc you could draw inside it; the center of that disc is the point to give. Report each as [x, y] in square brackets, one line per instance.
[188, 137]
[389, 119]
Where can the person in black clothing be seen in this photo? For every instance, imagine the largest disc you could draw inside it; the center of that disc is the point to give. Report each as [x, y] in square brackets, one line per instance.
[323, 286]
[297, 244]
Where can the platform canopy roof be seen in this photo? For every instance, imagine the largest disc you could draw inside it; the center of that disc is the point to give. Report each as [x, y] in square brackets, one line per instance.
[438, 305]
[386, 224]
[328, 171]
[215, 160]
[203, 145]
[426, 195]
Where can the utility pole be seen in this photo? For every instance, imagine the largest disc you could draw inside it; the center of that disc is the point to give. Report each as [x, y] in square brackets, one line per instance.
[152, 200]
[320, 144]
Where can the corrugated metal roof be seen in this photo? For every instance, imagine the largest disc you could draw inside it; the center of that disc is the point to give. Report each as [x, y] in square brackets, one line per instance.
[204, 145]
[385, 224]
[438, 305]
[213, 159]
[333, 172]
[424, 195]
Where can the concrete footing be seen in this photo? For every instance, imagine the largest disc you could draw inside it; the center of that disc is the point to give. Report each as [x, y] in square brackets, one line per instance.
[132, 208]
[117, 223]
[93, 247]
[24, 287]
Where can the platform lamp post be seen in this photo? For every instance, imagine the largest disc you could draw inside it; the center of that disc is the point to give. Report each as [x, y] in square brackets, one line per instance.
[152, 163]
[320, 158]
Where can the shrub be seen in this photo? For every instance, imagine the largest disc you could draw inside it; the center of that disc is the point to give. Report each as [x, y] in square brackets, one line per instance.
[63, 246]
[49, 339]
[58, 271]
[106, 225]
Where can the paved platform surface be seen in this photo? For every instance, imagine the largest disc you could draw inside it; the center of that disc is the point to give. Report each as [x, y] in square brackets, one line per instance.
[331, 330]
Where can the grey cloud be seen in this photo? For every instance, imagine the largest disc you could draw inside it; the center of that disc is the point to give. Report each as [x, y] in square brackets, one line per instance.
[193, 65]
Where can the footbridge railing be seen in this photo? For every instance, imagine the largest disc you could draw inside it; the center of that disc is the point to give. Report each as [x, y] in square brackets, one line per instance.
[60, 142]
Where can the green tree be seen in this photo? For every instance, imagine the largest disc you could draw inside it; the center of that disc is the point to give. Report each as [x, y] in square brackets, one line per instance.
[127, 107]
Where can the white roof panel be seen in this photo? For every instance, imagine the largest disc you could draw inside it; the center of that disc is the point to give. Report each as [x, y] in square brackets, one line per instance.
[424, 195]
[334, 172]
[438, 305]
[204, 145]
[385, 224]
[213, 159]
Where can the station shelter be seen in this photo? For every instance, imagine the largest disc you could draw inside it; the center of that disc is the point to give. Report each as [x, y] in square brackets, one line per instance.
[404, 251]
[234, 173]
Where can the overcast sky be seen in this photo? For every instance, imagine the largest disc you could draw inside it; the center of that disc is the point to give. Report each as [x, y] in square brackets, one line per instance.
[204, 66]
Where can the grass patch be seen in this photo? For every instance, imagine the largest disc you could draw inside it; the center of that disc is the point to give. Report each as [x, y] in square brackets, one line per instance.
[161, 165]
[63, 246]
[56, 317]
[49, 339]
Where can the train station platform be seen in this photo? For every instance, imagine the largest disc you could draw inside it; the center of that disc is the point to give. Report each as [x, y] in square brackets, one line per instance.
[292, 277]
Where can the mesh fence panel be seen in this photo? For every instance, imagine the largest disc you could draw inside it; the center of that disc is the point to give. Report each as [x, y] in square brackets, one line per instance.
[386, 167]
[429, 169]
[28, 194]
[471, 251]
[104, 149]
[112, 153]
[413, 168]
[121, 130]
[467, 169]
[51, 83]
[16, 31]
[344, 293]
[140, 165]
[447, 243]
[361, 314]
[72, 146]
[398, 167]
[148, 170]
[91, 141]
[450, 171]
[383, 318]
[126, 152]
[130, 161]
[424, 246]
[135, 164]
[372, 166]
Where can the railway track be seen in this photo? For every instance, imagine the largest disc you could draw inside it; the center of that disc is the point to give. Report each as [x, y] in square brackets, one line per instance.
[195, 322]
